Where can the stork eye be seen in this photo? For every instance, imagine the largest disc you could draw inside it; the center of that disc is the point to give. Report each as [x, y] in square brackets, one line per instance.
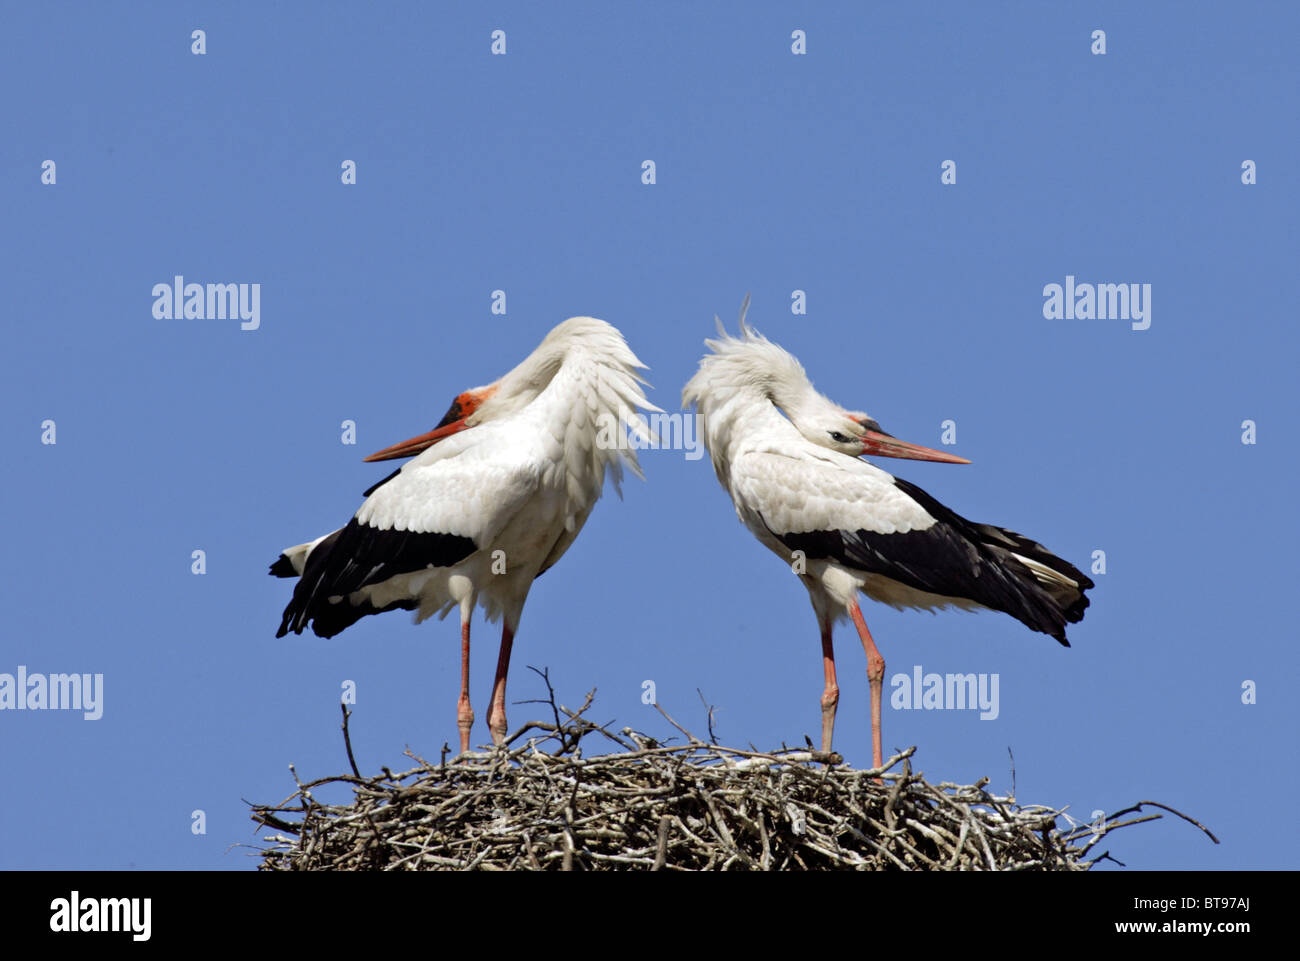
[838, 437]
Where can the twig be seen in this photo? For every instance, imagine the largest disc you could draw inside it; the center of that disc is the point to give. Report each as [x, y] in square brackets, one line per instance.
[347, 739]
[708, 709]
[669, 718]
[1164, 807]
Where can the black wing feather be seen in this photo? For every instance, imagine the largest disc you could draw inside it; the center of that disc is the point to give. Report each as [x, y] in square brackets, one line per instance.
[358, 555]
[957, 558]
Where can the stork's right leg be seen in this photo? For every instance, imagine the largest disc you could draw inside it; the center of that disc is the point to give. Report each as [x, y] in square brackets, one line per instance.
[875, 678]
[464, 713]
[497, 706]
[831, 693]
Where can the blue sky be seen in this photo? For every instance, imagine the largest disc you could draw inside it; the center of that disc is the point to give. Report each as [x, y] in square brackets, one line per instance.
[775, 172]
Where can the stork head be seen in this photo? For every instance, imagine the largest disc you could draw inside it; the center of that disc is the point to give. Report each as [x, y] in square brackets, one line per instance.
[751, 366]
[464, 412]
[594, 341]
[854, 433]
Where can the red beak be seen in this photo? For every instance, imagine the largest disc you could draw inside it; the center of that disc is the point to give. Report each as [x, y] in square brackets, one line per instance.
[882, 445]
[409, 448]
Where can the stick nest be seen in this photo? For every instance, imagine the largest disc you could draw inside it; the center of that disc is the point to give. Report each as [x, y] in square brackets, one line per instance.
[539, 803]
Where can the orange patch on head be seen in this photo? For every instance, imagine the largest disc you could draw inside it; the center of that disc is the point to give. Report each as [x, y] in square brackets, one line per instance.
[465, 404]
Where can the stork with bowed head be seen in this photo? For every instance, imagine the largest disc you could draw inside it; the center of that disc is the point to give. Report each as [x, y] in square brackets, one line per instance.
[495, 494]
[791, 460]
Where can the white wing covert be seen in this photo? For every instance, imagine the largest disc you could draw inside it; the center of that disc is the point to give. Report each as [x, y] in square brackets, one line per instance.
[800, 493]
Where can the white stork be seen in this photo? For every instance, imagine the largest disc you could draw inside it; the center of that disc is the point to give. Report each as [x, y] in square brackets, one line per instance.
[791, 460]
[500, 489]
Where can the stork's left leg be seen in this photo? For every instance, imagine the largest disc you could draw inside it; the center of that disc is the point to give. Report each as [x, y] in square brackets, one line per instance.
[497, 710]
[876, 678]
[831, 693]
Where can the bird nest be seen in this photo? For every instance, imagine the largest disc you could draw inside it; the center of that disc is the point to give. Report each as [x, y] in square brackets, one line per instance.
[540, 802]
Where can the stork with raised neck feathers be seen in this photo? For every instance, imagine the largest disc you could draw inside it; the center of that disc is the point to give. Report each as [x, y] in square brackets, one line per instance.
[791, 459]
[495, 495]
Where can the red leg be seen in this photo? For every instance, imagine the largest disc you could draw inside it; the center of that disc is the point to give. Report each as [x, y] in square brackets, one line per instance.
[464, 713]
[831, 694]
[497, 709]
[876, 677]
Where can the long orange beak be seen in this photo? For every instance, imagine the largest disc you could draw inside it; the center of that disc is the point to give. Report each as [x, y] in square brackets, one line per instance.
[409, 448]
[453, 422]
[882, 445]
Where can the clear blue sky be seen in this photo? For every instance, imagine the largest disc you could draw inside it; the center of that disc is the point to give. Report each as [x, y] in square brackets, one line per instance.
[522, 172]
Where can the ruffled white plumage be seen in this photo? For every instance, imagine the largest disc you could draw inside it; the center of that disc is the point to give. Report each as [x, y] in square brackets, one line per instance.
[519, 482]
